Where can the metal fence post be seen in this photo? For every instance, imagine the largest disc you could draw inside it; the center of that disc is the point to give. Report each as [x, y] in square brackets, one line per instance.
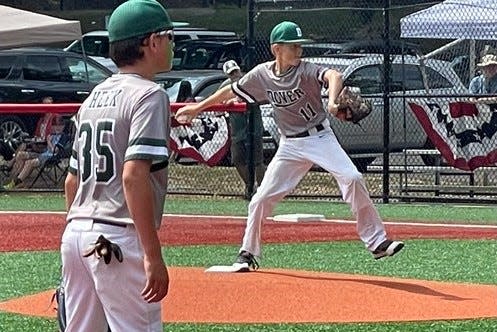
[250, 107]
[386, 102]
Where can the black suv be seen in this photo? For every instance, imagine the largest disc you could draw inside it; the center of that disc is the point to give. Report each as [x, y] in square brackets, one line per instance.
[28, 75]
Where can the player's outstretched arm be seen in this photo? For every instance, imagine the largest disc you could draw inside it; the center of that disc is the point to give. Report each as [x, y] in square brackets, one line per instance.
[335, 85]
[187, 113]
[139, 198]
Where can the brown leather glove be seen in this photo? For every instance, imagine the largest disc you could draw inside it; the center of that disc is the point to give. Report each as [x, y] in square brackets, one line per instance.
[352, 106]
[104, 248]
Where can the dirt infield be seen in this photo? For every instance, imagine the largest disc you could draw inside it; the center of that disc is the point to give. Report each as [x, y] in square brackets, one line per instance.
[32, 231]
[274, 296]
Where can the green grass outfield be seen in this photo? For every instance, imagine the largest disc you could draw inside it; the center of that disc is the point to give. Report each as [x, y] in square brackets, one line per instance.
[439, 213]
[473, 261]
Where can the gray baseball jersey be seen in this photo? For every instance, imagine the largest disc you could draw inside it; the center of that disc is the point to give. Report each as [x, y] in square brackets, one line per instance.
[125, 117]
[295, 95]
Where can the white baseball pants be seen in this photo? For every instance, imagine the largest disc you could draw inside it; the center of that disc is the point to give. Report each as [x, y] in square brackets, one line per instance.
[97, 293]
[294, 158]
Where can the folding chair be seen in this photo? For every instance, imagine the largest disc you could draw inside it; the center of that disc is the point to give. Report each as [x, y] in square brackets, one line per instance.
[54, 169]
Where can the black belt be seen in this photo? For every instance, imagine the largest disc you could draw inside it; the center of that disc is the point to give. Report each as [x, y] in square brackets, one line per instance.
[306, 133]
[110, 223]
[106, 222]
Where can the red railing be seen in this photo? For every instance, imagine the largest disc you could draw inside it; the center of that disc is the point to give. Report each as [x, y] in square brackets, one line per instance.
[73, 108]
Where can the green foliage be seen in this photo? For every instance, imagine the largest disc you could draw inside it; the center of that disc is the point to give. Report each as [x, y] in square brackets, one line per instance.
[233, 18]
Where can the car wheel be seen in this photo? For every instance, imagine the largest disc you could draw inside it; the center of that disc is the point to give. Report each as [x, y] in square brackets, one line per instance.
[431, 159]
[12, 130]
[362, 163]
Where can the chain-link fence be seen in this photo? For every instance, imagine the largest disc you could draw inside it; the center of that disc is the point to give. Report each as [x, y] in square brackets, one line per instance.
[418, 89]
[414, 61]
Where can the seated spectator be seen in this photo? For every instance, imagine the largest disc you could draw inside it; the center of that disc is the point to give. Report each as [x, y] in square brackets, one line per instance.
[486, 83]
[25, 162]
[44, 125]
[43, 129]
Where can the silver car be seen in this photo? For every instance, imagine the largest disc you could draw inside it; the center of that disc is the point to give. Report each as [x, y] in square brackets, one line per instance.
[365, 71]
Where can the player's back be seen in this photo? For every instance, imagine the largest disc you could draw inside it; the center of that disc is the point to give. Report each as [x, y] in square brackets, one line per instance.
[105, 121]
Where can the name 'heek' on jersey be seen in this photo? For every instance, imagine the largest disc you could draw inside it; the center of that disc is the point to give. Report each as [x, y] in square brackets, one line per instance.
[104, 98]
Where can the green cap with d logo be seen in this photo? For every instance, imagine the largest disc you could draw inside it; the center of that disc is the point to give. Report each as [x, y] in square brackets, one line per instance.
[288, 33]
[136, 18]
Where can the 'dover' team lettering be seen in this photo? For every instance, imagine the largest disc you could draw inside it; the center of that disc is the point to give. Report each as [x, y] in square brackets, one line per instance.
[285, 97]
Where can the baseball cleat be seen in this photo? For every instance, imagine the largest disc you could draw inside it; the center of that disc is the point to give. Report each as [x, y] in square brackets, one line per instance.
[245, 262]
[387, 248]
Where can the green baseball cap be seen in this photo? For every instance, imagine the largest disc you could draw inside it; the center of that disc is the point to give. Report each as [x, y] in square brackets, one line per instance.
[136, 18]
[288, 33]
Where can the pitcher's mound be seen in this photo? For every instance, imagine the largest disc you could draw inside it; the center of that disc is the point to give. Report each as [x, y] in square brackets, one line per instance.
[287, 296]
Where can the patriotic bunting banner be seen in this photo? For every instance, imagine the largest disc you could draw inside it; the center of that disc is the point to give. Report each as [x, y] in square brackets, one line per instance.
[463, 132]
[206, 140]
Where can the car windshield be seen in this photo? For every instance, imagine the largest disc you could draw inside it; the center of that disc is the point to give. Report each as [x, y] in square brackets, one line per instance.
[194, 57]
[78, 68]
[171, 85]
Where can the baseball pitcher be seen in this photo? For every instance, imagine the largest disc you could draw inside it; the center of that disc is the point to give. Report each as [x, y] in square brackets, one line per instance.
[293, 87]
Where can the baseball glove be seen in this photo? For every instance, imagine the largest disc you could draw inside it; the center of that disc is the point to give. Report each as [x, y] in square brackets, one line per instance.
[352, 107]
[59, 296]
[104, 248]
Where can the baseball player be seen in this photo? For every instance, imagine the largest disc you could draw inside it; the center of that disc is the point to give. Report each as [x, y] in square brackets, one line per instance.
[113, 271]
[293, 87]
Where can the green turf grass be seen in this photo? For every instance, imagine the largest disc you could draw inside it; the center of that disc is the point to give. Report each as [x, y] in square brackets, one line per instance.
[443, 213]
[450, 260]
[17, 323]
[463, 261]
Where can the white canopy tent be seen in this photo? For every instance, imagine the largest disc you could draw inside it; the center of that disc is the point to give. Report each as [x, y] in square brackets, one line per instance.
[453, 19]
[461, 20]
[23, 28]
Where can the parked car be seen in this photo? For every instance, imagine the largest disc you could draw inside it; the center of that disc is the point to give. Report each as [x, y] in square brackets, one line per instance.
[27, 75]
[96, 43]
[203, 82]
[208, 54]
[365, 71]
